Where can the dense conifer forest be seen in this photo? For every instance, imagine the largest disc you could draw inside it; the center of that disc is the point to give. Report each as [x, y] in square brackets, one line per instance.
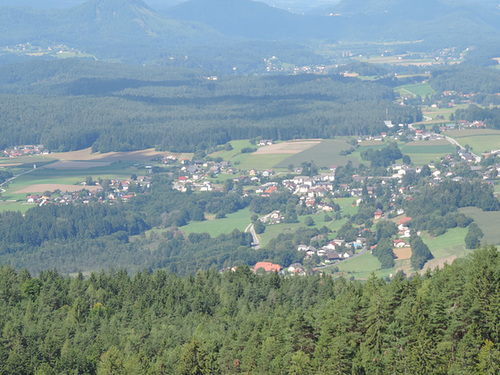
[444, 322]
[70, 107]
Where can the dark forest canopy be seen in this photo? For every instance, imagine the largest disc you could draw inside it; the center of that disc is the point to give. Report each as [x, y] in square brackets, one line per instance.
[69, 107]
[466, 79]
[238, 322]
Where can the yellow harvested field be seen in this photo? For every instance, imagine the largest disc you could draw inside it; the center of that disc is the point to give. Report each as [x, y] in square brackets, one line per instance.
[86, 154]
[291, 147]
[71, 164]
[402, 253]
[40, 188]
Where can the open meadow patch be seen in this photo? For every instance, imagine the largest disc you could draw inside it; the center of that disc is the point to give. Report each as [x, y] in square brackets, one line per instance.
[416, 89]
[324, 154]
[236, 220]
[488, 221]
[480, 140]
[402, 253]
[422, 152]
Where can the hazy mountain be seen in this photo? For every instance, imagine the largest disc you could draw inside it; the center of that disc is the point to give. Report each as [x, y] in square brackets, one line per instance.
[126, 21]
[108, 28]
[248, 18]
[133, 31]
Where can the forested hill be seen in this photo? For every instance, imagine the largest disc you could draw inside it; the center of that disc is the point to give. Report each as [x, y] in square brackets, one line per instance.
[118, 108]
[237, 322]
[131, 31]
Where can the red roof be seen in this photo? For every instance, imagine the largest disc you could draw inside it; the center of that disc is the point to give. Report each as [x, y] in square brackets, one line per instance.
[404, 220]
[267, 266]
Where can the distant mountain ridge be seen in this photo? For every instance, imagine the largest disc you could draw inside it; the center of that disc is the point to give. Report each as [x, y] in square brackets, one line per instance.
[245, 18]
[130, 30]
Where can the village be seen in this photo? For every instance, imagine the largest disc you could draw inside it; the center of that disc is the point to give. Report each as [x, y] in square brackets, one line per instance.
[316, 192]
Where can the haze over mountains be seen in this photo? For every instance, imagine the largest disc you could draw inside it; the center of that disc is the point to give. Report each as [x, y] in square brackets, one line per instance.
[134, 31]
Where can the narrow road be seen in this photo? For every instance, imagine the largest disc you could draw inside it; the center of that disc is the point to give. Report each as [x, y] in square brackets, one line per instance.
[255, 239]
[13, 178]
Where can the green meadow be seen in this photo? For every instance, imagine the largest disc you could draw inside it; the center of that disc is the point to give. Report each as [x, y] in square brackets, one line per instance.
[324, 154]
[425, 151]
[261, 162]
[448, 244]
[488, 221]
[480, 140]
[362, 267]
[237, 220]
[417, 89]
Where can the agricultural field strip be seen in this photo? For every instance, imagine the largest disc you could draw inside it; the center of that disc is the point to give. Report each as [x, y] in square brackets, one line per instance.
[292, 147]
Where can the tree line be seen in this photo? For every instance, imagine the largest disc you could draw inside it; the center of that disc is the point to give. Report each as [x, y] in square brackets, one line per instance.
[238, 322]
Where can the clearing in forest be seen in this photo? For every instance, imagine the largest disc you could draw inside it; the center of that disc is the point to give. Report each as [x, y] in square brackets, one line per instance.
[402, 253]
[290, 147]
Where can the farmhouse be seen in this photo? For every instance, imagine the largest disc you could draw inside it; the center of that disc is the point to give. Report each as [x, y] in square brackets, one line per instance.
[400, 243]
[267, 267]
[378, 214]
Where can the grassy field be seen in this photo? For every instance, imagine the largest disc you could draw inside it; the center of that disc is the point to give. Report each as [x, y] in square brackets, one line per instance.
[347, 205]
[325, 154]
[425, 151]
[438, 114]
[237, 220]
[489, 222]
[261, 162]
[416, 89]
[480, 140]
[237, 146]
[362, 267]
[15, 206]
[449, 244]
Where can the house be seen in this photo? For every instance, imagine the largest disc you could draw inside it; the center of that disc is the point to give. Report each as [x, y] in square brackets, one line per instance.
[267, 267]
[338, 242]
[321, 252]
[378, 214]
[267, 173]
[332, 256]
[400, 243]
[266, 142]
[295, 268]
[271, 190]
